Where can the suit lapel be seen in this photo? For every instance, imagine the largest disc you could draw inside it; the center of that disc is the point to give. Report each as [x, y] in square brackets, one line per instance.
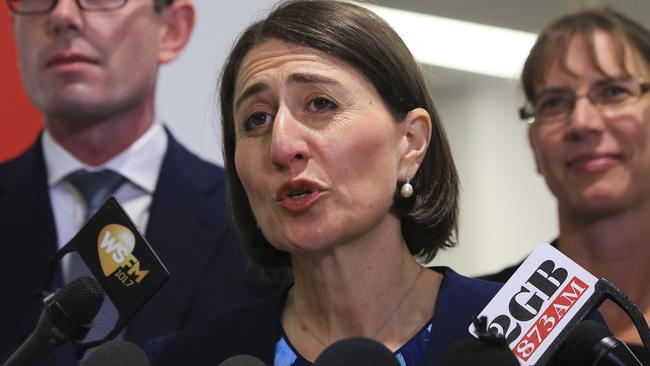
[179, 230]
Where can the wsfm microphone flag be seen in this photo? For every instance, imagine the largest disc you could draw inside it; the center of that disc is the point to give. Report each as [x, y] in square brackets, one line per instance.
[121, 260]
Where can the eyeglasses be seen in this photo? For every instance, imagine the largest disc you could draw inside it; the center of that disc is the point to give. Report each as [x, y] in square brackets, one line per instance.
[39, 7]
[556, 104]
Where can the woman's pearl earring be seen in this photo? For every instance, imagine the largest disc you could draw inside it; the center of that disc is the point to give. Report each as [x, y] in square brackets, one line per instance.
[407, 189]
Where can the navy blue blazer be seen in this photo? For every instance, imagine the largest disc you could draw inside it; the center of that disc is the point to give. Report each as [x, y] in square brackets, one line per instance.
[188, 227]
[254, 329]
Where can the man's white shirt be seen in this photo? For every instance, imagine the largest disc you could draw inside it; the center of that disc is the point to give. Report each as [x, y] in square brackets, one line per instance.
[140, 164]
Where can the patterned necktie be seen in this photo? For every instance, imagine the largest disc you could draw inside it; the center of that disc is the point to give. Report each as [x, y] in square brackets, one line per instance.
[95, 188]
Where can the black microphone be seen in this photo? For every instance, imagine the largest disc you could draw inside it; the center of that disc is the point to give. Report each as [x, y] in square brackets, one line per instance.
[591, 343]
[357, 351]
[242, 360]
[67, 315]
[489, 349]
[474, 352]
[117, 353]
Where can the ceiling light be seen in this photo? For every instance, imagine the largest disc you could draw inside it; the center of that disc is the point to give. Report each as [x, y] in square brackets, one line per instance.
[460, 45]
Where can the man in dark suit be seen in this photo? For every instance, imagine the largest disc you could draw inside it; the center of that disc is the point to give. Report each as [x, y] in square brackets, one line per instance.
[91, 68]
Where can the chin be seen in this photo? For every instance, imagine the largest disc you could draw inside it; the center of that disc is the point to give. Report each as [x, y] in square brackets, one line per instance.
[82, 106]
[83, 113]
[305, 240]
[601, 205]
[304, 244]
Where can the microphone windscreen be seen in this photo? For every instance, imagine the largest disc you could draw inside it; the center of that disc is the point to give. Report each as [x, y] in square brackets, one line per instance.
[117, 353]
[591, 343]
[475, 352]
[242, 360]
[81, 299]
[357, 351]
[583, 338]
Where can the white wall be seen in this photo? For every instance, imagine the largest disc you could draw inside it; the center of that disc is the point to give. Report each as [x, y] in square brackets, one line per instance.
[505, 207]
[186, 90]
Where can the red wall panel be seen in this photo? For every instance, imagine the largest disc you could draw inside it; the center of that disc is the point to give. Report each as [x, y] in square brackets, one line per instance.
[20, 121]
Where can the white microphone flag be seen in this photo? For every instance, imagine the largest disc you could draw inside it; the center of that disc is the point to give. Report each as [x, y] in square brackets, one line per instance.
[538, 302]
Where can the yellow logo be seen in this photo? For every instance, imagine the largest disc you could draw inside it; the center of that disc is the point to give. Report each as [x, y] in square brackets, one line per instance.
[115, 247]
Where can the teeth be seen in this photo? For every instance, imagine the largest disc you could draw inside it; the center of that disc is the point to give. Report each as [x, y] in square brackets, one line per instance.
[300, 193]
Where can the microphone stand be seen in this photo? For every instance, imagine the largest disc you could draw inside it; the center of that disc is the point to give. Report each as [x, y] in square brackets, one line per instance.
[607, 290]
[603, 290]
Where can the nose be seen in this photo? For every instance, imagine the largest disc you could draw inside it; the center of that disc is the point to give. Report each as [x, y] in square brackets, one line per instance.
[289, 149]
[585, 120]
[65, 17]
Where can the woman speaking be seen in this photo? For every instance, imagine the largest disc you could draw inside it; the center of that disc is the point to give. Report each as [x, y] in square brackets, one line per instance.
[339, 169]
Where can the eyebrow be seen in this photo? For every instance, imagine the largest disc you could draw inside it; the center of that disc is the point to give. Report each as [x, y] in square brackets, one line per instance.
[300, 78]
[311, 79]
[597, 83]
[249, 92]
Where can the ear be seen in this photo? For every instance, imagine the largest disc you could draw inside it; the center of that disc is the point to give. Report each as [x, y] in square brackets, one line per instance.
[534, 148]
[177, 23]
[415, 131]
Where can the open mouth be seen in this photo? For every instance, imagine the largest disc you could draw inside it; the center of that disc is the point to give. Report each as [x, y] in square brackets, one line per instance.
[300, 193]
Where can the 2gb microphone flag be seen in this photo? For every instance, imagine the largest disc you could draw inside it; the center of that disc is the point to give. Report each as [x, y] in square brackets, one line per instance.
[121, 260]
[543, 298]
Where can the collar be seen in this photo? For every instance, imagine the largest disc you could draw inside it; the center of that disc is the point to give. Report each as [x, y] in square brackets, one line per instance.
[140, 163]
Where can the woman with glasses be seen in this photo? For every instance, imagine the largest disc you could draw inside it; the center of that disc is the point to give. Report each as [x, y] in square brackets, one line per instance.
[586, 81]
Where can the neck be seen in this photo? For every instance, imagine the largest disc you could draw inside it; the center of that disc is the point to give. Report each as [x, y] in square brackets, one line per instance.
[356, 301]
[616, 248]
[372, 288]
[96, 141]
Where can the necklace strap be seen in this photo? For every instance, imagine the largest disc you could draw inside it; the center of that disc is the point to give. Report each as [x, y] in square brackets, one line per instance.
[389, 318]
[399, 304]
[302, 324]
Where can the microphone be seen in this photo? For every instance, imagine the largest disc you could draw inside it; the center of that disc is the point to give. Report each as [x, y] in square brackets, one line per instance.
[242, 360]
[66, 315]
[545, 299]
[592, 344]
[122, 261]
[356, 351]
[473, 352]
[117, 353]
[489, 349]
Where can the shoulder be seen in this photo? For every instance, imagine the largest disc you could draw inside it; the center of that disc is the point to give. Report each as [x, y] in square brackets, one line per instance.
[460, 299]
[11, 165]
[502, 276]
[23, 165]
[201, 183]
[180, 157]
[251, 329]
[470, 292]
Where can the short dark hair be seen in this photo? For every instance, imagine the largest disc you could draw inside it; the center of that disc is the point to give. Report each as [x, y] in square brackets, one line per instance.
[363, 40]
[553, 42]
